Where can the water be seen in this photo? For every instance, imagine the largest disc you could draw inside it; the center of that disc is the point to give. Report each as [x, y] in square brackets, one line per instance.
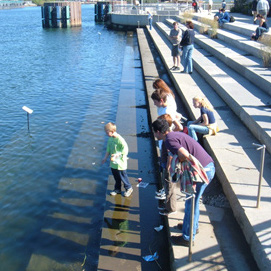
[52, 187]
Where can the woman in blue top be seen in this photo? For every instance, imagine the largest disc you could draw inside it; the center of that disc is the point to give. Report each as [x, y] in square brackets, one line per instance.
[206, 123]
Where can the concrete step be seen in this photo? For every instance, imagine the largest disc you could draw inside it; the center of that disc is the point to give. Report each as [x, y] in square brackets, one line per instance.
[248, 66]
[247, 103]
[238, 40]
[235, 158]
[243, 24]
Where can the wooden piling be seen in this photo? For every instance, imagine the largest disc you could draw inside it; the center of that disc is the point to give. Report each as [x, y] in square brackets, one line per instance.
[61, 14]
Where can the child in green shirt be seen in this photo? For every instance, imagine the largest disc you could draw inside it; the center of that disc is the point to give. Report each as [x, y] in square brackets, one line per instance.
[117, 148]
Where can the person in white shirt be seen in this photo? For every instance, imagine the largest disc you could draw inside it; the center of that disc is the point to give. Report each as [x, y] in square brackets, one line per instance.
[210, 5]
[263, 8]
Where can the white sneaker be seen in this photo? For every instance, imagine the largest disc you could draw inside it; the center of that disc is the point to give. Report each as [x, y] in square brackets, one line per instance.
[115, 192]
[128, 192]
[161, 191]
[161, 197]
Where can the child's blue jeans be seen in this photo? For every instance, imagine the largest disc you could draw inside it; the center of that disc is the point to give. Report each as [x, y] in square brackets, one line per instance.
[121, 176]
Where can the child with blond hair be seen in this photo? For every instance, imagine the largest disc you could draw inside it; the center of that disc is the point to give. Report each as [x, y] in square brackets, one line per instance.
[206, 123]
[117, 149]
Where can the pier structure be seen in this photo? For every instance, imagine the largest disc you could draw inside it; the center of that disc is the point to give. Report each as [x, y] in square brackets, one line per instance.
[61, 14]
[11, 4]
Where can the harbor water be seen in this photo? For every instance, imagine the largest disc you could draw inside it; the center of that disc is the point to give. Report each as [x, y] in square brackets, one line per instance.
[52, 186]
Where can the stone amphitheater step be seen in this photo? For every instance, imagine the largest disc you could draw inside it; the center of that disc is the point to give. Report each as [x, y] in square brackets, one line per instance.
[247, 101]
[234, 156]
[249, 67]
[242, 25]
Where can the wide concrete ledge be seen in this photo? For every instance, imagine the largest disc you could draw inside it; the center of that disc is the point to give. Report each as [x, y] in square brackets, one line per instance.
[235, 158]
[207, 256]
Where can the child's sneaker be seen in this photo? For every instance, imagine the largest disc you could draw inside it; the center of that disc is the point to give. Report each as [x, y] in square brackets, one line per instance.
[128, 192]
[160, 192]
[161, 197]
[115, 192]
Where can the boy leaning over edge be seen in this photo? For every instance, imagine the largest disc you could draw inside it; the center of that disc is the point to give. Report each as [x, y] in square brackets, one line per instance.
[117, 148]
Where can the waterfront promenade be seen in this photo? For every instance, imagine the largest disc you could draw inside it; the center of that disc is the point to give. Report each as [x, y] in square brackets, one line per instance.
[236, 162]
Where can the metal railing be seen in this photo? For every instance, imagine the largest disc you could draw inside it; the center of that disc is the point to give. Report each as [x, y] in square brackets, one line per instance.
[164, 9]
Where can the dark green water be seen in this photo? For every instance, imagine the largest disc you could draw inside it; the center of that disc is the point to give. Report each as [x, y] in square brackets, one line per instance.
[52, 187]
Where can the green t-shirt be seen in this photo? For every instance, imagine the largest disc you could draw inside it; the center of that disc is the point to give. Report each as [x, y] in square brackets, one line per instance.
[118, 145]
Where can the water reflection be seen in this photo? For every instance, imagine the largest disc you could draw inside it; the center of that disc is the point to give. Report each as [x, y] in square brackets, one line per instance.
[118, 225]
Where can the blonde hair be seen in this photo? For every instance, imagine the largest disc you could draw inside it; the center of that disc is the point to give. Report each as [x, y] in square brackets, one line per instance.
[111, 127]
[204, 102]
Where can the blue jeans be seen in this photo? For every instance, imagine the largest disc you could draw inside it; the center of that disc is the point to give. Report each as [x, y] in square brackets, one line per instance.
[193, 129]
[260, 31]
[121, 176]
[187, 58]
[150, 23]
[200, 187]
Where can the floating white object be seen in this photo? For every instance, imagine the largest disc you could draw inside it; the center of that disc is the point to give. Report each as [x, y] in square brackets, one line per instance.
[28, 110]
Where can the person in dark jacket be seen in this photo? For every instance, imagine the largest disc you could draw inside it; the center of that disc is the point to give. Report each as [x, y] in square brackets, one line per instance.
[187, 44]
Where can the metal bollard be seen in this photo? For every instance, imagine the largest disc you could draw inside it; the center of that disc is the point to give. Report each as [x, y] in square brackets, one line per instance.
[260, 147]
[192, 197]
[191, 228]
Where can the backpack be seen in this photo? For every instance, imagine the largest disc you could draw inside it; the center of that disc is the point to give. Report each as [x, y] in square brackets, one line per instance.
[232, 19]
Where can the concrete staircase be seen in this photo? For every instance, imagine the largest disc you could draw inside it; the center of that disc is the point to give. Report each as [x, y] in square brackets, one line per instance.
[229, 72]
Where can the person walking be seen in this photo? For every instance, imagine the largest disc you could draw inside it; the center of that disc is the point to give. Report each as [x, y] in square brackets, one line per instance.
[187, 44]
[184, 146]
[224, 4]
[254, 10]
[175, 39]
[210, 6]
[263, 8]
[150, 19]
[117, 149]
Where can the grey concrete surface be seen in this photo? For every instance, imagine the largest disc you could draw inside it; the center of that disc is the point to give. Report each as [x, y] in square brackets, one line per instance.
[128, 230]
[248, 102]
[236, 162]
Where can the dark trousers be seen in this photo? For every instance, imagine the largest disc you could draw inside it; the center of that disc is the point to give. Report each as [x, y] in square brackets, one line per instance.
[121, 176]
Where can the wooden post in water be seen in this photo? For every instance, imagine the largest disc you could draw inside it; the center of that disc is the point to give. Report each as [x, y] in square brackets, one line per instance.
[61, 14]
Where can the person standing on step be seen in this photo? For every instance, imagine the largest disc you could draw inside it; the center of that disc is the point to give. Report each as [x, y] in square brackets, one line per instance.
[175, 35]
[150, 19]
[187, 44]
[206, 123]
[263, 8]
[254, 10]
[210, 6]
[117, 149]
[183, 145]
[224, 4]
